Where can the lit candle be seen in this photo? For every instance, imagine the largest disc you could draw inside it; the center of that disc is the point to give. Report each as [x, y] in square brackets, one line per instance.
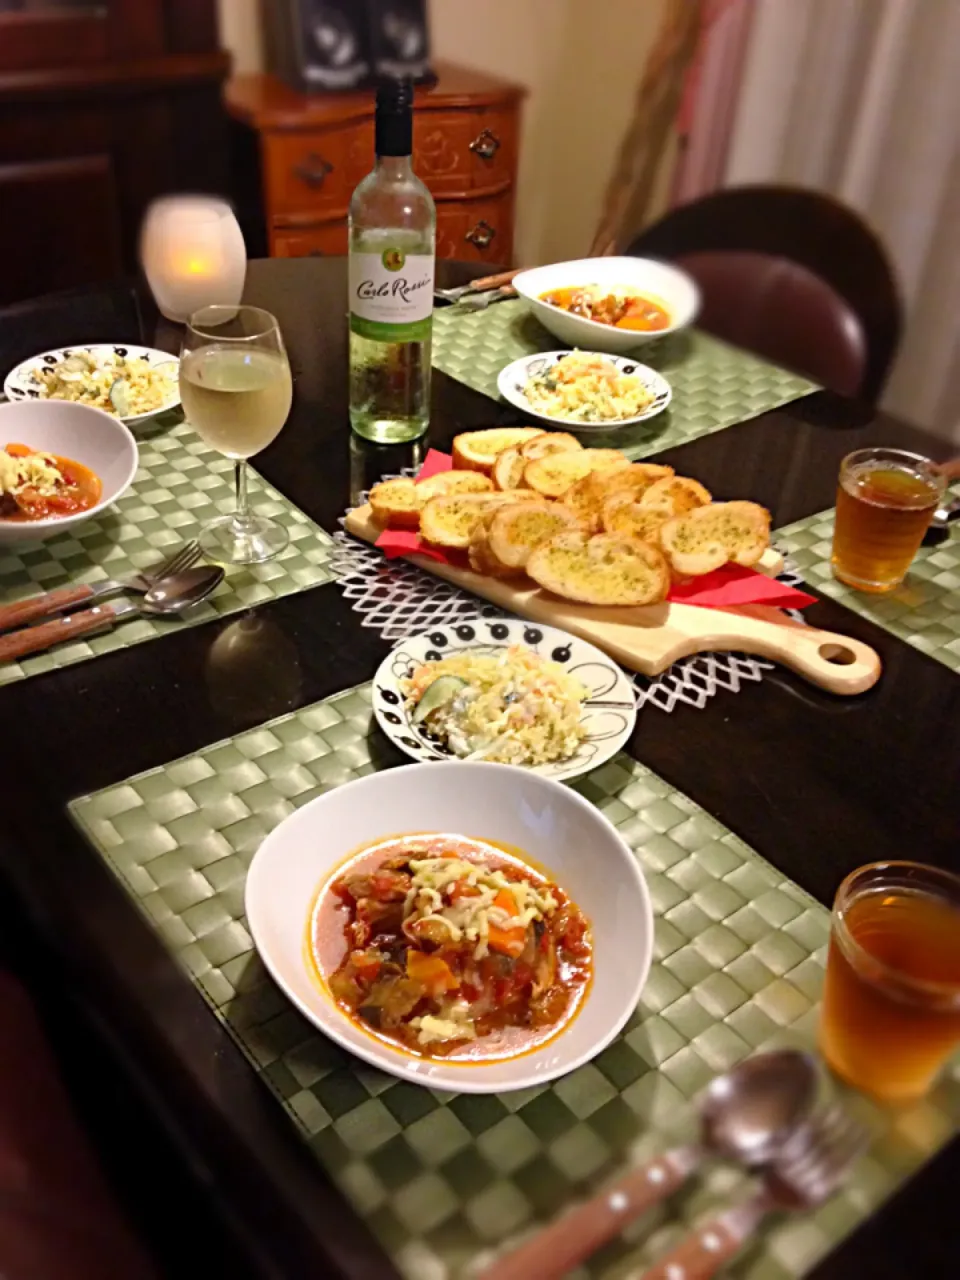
[193, 254]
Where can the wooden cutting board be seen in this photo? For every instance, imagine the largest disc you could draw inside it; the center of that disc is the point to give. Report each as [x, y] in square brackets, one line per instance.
[651, 638]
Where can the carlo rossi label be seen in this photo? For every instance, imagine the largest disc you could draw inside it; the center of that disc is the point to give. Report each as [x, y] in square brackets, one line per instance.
[391, 295]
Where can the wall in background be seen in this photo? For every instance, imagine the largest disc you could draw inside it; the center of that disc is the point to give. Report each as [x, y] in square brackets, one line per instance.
[580, 61]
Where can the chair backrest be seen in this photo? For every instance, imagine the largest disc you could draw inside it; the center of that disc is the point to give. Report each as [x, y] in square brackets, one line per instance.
[791, 274]
[75, 317]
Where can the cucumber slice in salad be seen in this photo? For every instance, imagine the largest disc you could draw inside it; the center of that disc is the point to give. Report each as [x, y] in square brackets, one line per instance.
[443, 690]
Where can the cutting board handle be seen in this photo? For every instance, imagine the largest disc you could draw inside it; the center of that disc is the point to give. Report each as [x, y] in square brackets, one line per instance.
[839, 664]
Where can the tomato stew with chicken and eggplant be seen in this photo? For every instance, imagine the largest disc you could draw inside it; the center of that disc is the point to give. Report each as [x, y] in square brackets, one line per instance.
[616, 307]
[450, 946]
[35, 485]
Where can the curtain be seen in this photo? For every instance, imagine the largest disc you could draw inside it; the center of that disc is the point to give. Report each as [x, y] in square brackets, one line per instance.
[861, 98]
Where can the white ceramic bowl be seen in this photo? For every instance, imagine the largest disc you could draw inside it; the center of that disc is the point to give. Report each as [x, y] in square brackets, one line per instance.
[75, 431]
[567, 836]
[668, 285]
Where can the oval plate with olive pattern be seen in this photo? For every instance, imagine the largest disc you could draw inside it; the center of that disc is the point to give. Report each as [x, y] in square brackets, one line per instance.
[608, 713]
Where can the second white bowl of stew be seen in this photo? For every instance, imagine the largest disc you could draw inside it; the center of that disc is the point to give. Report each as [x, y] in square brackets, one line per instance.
[471, 927]
[60, 464]
[609, 304]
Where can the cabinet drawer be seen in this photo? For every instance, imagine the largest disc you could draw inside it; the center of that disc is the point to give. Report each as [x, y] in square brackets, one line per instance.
[319, 242]
[459, 151]
[476, 230]
[316, 170]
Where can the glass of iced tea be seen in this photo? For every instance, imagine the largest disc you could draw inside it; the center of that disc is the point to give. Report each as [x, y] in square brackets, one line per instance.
[891, 998]
[885, 502]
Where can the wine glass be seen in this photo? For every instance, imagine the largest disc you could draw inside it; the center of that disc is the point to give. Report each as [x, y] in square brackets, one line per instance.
[236, 390]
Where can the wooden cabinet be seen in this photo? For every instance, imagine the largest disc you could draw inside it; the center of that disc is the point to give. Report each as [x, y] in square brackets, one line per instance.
[104, 104]
[313, 150]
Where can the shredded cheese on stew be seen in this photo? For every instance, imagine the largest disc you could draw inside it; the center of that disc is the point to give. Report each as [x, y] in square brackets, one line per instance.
[38, 471]
[471, 916]
[444, 947]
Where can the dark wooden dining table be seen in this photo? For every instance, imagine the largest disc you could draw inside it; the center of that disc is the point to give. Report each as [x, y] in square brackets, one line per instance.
[816, 784]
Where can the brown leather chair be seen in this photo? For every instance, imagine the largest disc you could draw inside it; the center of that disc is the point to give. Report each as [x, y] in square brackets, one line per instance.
[792, 275]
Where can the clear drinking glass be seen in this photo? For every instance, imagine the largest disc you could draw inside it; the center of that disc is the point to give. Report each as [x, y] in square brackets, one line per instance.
[886, 499]
[891, 997]
[236, 389]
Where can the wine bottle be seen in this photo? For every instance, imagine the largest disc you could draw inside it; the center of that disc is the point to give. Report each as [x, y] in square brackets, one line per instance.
[392, 252]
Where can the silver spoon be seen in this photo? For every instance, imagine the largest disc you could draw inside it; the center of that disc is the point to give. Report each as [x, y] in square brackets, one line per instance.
[807, 1172]
[748, 1114]
[169, 595]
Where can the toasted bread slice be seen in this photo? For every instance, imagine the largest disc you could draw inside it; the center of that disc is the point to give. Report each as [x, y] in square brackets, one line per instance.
[517, 530]
[553, 475]
[482, 560]
[449, 521]
[630, 519]
[453, 482]
[678, 494]
[709, 537]
[588, 495]
[604, 569]
[550, 442]
[508, 469]
[396, 504]
[477, 450]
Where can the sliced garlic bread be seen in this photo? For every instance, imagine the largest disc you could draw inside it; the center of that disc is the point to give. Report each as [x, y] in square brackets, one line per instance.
[449, 521]
[477, 450]
[508, 469]
[396, 504]
[453, 482]
[678, 494]
[550, 442]
[602, 570]
[516, 531]
[709, 537]
[588, 495]
[622, 515]
[482, 560]
[553, 475]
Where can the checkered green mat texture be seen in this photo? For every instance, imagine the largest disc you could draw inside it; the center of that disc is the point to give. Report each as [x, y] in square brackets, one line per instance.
[442, 1178]
[924, 610]
[181, 486]
[714, 385]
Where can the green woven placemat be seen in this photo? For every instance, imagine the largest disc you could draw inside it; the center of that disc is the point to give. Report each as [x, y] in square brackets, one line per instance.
[181, 485]
[924, 610]
[440, 1178]
[714, 385]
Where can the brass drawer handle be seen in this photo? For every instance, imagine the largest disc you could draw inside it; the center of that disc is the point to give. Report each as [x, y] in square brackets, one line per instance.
[481, 235]
[313, 171]
[486, 144]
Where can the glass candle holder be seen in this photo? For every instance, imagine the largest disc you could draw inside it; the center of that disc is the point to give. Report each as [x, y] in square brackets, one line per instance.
[193, 254]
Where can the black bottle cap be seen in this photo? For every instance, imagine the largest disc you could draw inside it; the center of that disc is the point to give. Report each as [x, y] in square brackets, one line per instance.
[394, 118]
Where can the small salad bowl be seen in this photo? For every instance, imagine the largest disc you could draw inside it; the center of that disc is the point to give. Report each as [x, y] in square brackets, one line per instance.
[607, 716]
[549, 825]
[512, 382]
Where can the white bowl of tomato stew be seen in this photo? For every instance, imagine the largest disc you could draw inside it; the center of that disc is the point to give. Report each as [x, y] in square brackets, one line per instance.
[61, 464]
[636, 300]
[496, 980]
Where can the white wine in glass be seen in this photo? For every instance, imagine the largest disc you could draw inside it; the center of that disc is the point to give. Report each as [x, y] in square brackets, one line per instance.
[236, 390]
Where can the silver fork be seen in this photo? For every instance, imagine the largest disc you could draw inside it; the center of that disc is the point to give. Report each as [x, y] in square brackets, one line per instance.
[35, 608]
[809, 1170]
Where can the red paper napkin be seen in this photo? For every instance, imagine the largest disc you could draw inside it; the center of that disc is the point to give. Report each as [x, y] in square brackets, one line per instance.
[731, 585]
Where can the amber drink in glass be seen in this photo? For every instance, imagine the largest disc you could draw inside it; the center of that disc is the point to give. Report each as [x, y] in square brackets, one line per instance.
[885, 502]
[891, 998]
